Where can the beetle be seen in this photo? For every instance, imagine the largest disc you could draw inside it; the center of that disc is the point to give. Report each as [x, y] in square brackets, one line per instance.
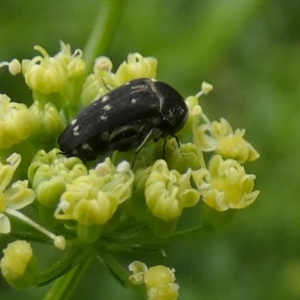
[124, 119]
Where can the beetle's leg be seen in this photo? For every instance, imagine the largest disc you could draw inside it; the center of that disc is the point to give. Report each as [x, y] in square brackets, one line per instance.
[106, 86]
[143, 143]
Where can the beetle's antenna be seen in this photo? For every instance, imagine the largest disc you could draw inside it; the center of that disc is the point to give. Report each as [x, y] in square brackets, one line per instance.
[106, 86]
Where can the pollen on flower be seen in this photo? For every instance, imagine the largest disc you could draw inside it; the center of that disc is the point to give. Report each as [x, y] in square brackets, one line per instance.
[123, 167]
[60, 242]
[102, 63]
[14, 66]
[63, 205]
[14, 159]
[206, 87]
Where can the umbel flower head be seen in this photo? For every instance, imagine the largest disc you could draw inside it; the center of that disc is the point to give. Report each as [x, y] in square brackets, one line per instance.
[108, 206]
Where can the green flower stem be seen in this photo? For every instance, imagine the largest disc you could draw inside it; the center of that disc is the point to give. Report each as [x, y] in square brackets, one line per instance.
[64, 287]
[148, 239]
[101, 35]
[117, 269]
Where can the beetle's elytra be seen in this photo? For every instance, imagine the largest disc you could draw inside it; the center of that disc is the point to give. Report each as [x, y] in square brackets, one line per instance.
[125, 119]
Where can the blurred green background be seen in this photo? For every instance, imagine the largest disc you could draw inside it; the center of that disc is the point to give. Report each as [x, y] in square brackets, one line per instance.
[250, 51]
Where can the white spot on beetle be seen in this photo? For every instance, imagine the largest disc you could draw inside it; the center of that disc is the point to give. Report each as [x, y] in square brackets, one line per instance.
[76, 131]
[134, 100]
[105, 98]
[107, 107]
[87, 146]
[73, 122]
[103, 117]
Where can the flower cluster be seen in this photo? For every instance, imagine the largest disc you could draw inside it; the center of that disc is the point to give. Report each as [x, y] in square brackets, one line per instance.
[111, 203]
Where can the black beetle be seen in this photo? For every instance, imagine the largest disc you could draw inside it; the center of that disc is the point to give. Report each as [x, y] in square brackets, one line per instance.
[124, 119]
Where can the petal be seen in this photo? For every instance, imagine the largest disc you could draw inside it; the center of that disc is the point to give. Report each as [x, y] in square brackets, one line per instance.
[4, 224]
[18, 195]
[7, 171]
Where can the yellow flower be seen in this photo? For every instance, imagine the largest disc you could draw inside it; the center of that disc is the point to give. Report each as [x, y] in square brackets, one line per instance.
[159, 280]
[168, 192]
[74, 62]
[219, 137]
[45, 74]
[76, 70]
[225, 185]
[47, 122]
[19, 265]
[50, 172]
[98, 83]
[93, 198]
[136, 66]
[15, 122]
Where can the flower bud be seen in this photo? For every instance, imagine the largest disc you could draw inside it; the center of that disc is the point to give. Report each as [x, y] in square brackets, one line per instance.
[49, 174]
[136, 66]
[93, 199]
[15, 122]
[76, 75]
[219, 137]
[159, 280]
[93, 88]
[18, 265]
[139, 270]
[45, 74]
[168, 192]
[99, 83]
[180, 159]
[47, 123]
